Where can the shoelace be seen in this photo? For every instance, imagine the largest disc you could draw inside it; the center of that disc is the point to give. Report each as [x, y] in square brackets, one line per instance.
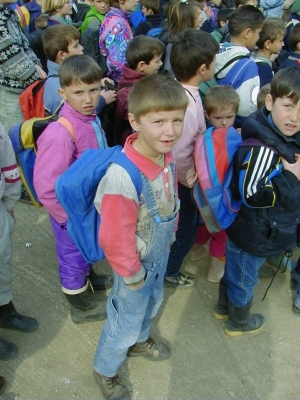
[288, 253]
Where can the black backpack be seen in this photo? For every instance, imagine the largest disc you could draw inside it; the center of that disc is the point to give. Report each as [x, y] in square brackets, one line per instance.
[90, 42]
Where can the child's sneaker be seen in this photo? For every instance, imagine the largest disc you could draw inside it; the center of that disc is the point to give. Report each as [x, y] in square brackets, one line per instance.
[181, 281]
[296, 310]
[112, 388]
[151, 349]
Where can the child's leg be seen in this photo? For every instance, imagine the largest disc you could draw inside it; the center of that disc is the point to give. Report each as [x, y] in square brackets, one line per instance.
[185, 237]
[296, 277]
[129, 314]
[7, 224]
[217, 250]
[10, 111]
[9, 317]
[240, 277]
[201, 238]
[73, 272]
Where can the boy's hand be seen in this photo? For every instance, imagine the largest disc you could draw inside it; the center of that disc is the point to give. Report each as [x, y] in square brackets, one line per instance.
[109, 96]
[103, 80]
[293, 168]
[41, 73]
[191, 178]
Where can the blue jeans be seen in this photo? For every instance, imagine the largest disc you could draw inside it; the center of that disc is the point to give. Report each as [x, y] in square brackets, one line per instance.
[296, 275]
[186, 232]
[129, 312]
[241, 274]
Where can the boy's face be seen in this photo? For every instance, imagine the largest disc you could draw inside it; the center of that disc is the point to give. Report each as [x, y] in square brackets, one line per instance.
[222, 118]
[83, 97]
[153, 66]
[128, 5]
[100, 6]
[285, 114]
[66, 8]
[275, 47]
[146, 11]
[158, 132]
[74, 48]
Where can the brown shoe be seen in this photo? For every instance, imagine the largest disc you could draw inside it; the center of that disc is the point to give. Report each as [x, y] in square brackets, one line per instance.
[112, 388]
[151, 349]
[2, 384]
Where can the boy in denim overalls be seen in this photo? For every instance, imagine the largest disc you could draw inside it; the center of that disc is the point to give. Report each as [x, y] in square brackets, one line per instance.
[136, 232]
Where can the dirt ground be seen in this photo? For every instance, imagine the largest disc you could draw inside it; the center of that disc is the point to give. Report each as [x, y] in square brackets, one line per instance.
[56, 361]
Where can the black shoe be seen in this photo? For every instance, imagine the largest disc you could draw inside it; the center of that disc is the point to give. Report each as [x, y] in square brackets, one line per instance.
[100, 282]
[112, 388]
[84, 307]
[2, 384]
[7, 350]
[180, 281]
[293, 283]
[11, 319]
[221, 309]
[241, 321]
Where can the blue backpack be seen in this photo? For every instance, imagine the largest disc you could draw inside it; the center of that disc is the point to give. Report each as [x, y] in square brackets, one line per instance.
[214, 152]
[153, 32]
[76, 189]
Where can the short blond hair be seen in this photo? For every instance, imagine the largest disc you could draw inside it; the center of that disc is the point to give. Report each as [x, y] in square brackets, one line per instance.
[51, 6]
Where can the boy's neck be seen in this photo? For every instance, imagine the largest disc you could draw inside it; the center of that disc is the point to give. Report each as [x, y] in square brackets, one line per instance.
[264, 53]
[238, 41]
[195, 81]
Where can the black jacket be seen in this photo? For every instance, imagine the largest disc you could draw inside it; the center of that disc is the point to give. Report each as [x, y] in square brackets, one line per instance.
[268, 224]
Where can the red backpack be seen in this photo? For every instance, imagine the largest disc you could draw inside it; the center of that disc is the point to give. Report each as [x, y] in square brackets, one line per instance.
[31, 100]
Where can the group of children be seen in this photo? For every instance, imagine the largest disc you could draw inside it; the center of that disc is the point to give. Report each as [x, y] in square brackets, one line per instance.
[142, 236]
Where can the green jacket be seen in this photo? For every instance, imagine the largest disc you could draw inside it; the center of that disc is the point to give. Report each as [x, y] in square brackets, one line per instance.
[91, 14]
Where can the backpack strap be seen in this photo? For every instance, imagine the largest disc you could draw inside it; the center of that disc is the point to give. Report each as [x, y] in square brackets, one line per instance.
[67, 124]
[231, 62]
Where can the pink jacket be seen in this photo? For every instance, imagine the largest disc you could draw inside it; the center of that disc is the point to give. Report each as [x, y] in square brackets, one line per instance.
[194, 124]
[57, 151]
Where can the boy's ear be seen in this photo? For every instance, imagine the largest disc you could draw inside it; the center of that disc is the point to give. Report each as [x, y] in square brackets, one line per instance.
[62, 93]
[202, 69]
[247, 32]
[298, 46]
[140, 66]
[267, 44]
[61, 55]
[206, 116]
[269, 102]
[133, 122]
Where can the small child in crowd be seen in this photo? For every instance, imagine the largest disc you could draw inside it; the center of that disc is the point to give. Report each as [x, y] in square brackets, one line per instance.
[294, 42]
[268, 219]
[270, 42]
[143, 56]
[114, 35]
[95, 16]
[59, 146]
[136, 231]
[61, 42]
[221, 106]
[193, 61]
[233, 64]
[59, 11]
[262, 94]
[154, 19]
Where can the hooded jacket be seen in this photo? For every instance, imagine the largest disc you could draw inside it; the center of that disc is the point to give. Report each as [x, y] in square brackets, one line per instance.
[267, 222]
[241, 74]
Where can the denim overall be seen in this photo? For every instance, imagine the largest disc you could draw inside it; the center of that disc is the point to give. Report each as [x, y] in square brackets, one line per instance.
[129, 312]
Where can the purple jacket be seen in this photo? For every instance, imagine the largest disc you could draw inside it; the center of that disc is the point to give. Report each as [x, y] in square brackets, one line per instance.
[114, 34]
[57, 151]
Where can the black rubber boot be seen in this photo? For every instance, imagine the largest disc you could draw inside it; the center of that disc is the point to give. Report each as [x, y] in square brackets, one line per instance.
[100, 282]
[7, 350]
[221, 309]
[2, 384]
[11, 319]
[241, 321]
[84, 308]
